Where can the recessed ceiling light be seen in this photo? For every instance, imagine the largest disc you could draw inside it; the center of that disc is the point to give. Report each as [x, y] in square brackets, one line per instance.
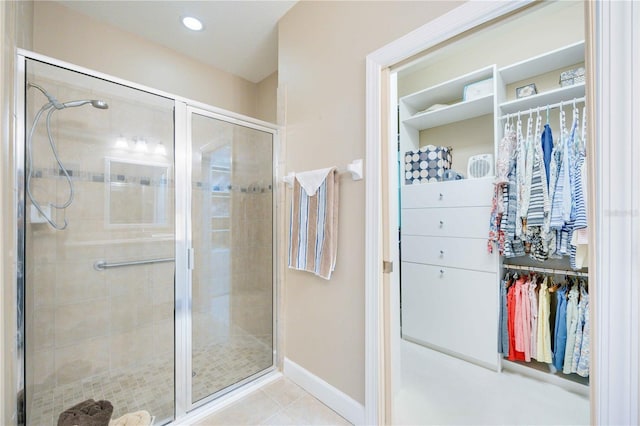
[192, 23]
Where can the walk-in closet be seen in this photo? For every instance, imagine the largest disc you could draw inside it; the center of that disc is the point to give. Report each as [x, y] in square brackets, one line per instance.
[493, 172]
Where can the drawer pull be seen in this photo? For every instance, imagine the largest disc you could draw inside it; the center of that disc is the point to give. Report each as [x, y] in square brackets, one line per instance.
[441, 272]
[441, 253]
[441, 224]
[441, 197]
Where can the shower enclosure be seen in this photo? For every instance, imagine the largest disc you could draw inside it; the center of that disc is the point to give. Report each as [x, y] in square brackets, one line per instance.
[147, 247]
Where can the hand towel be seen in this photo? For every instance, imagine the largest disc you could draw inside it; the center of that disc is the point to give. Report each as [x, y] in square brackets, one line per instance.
[314, 222]
[312, 180]
[87, 413]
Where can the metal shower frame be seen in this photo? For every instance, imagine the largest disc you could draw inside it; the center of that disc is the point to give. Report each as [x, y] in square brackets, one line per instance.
[184, 108]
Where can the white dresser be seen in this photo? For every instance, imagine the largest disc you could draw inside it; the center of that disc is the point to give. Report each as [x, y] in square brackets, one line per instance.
[449, 282]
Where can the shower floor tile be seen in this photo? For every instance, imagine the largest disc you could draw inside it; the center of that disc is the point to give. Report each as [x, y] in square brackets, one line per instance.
[150, 387]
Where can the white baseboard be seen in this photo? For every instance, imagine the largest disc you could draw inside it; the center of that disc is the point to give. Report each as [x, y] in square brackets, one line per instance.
[334, 398]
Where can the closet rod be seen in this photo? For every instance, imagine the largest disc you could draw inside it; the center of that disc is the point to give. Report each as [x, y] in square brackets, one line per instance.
[544, 108]
[545, 270]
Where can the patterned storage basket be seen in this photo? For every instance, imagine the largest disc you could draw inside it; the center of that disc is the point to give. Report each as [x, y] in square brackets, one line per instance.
[426, 164]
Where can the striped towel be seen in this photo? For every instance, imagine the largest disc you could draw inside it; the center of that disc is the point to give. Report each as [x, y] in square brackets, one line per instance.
[314, 223]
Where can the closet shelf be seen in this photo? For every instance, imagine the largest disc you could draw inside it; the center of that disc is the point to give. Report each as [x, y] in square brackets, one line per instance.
[445, 92]
[453, 113]
[559, 58]
[542, 99]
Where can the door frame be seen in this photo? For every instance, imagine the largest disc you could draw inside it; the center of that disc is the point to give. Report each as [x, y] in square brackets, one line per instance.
[613, 59]
[185, 254]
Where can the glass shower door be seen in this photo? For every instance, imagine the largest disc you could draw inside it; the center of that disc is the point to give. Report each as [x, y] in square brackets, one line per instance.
[232, 237]
[99, 246]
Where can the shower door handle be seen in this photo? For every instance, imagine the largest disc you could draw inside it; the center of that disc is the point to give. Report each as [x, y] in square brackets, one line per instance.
[191, 259]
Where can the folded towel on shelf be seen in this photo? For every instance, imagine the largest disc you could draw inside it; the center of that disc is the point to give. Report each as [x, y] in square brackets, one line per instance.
[87, 413]
[138, 418]
[314, 222]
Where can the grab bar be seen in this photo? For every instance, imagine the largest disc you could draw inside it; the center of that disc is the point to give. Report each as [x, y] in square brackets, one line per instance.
[101, 265]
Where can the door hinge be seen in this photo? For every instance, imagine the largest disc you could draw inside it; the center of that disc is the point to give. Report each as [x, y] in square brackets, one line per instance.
[387, 266]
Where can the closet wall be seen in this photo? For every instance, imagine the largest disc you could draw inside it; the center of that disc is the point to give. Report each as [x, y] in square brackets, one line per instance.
[552, 26]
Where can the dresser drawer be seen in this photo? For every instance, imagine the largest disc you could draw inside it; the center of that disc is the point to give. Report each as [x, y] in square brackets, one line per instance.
[451, 309]
[468, 253]
[468, 222]
[459, 193]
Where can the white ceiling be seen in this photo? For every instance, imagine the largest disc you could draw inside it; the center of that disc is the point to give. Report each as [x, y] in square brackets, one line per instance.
[239, 37]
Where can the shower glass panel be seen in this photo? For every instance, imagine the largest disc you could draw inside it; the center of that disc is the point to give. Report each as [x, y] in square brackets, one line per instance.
[232, 279]
[104, 332]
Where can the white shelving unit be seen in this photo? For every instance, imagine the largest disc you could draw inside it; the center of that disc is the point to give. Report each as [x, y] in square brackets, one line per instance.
[451, 114]
[556, 59]
[563, 94]
[414, 118]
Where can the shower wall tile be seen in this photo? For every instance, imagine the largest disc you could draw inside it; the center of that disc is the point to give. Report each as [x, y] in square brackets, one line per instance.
[127, 281]
[43, 327]
[131, 347]
[78, 282]
[42, 281]
[77, 322]
[43, 245]
[163, 337]
[163, 311]
[89, 202]
[83, 360]
[42, 370]
[79, 251]
[128, 314]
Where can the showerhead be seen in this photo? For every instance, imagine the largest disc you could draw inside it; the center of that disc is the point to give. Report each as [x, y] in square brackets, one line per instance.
[94, 102]
[99, 104]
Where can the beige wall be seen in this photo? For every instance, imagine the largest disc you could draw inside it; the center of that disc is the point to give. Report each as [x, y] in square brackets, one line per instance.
[67, 35]
[322, 50]
[266, 102]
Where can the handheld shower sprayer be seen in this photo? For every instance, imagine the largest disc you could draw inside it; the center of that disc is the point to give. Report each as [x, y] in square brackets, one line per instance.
[58, 105]
[52, 106]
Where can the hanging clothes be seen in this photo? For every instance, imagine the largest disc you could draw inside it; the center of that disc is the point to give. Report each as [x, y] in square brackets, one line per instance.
[576, 353]
[522, 318]
[560, 330]
[543, 332]
[572, 327]
[547, 149]
[514, 355]
[533, 326]
[514, 246]
[540, 192]
[503, 337]
[504, 164]
[579, 239]
[584, 355]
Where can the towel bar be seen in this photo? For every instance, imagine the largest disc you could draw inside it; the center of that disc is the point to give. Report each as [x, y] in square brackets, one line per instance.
[355, 168]
[101, 265]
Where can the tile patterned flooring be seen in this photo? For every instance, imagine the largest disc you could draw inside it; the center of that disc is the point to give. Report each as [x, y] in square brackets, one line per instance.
[279, 403]
[150, 387]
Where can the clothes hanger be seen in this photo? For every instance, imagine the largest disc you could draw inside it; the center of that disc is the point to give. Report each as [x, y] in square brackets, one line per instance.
[547, 113]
